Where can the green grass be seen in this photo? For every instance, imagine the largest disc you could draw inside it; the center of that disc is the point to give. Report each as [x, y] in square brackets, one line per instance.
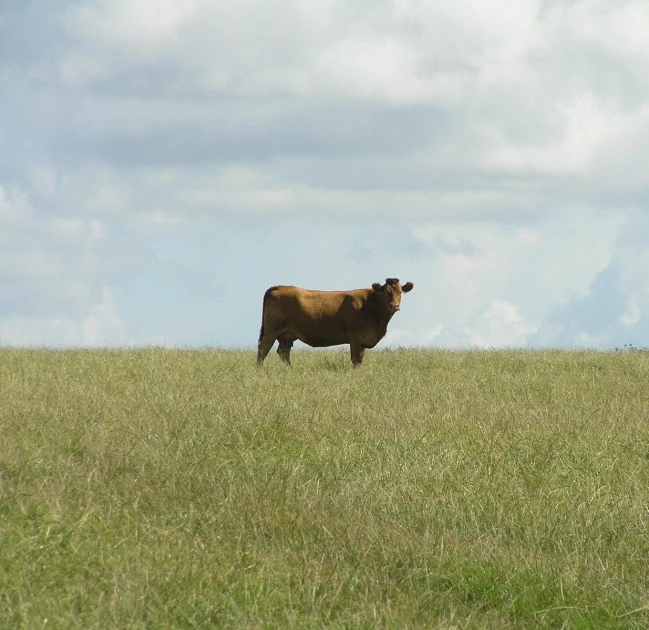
[189, 489]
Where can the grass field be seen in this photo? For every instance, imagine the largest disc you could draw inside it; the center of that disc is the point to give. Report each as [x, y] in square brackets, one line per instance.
[189, 489]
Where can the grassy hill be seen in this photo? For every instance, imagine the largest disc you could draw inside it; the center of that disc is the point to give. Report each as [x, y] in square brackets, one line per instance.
[189, 489]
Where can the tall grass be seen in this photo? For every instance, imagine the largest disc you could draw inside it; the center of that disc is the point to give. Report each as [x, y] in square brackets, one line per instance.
[163, 489]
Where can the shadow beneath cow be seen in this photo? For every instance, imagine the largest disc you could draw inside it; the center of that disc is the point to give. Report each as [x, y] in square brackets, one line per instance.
[322, 360]
[335, 364]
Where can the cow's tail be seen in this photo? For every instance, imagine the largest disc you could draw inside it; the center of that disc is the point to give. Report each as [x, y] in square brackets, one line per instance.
[263, 311]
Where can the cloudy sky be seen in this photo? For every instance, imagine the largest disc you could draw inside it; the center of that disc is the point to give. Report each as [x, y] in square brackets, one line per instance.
[163, 162]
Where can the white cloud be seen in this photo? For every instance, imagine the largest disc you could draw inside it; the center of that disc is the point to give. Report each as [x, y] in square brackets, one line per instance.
[52, 269]
[633, 312]
[101, 326]
[490, 151]
[500, 326]
[137, 23]
[613, 311]
[326, 81]
[616, 28]
[376, 68]
[492, 284]
[586, 127]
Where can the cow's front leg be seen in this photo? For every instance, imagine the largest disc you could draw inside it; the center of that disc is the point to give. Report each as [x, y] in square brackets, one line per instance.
[357, 351]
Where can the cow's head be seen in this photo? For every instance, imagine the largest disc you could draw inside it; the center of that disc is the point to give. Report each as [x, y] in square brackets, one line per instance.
[390, 293]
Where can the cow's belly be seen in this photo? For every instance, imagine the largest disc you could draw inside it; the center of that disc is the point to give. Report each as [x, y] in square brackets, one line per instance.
[323, 341]
[328, 333]
[321, 333]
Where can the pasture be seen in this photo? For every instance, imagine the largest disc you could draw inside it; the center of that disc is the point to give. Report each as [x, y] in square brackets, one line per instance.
[188, 489]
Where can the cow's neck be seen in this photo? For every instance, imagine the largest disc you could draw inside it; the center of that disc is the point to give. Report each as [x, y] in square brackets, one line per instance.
[382, 318]
[383, 321]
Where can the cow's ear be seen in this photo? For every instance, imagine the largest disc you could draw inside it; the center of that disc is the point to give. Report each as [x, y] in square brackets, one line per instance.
[377, 287]
[408, 286]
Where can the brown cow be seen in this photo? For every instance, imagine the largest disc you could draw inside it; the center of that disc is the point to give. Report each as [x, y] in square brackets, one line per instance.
[328, 318]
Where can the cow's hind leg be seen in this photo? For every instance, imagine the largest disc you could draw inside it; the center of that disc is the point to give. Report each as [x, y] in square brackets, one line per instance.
[285, 344]
[265, 344]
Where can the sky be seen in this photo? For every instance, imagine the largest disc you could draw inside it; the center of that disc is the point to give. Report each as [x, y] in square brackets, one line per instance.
[163, 162]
